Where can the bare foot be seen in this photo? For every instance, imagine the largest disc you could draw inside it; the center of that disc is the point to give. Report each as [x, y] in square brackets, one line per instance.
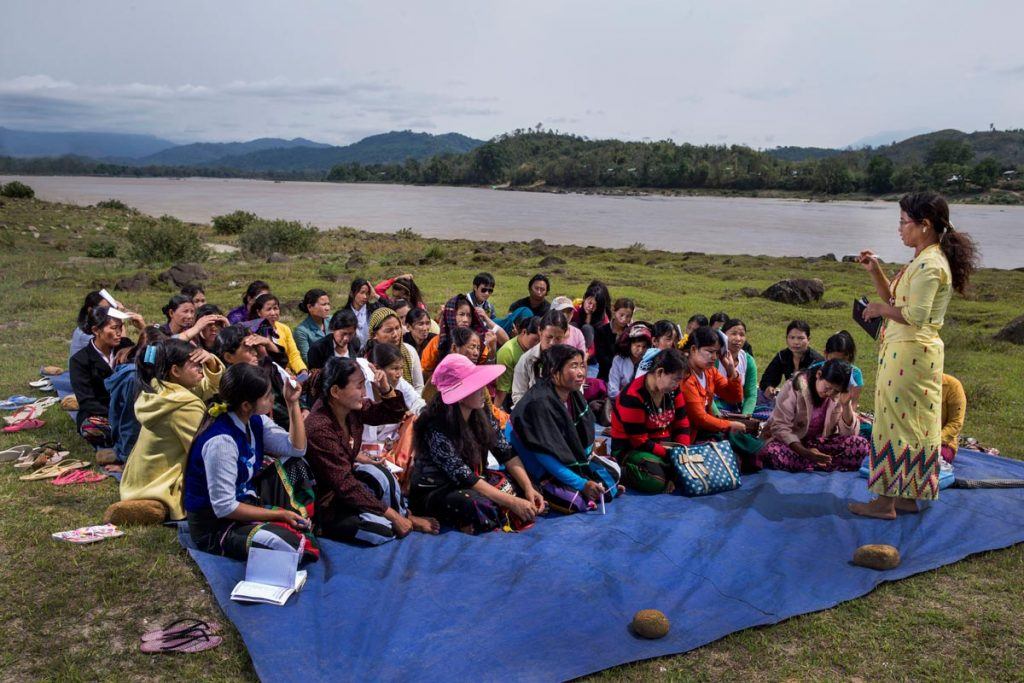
[426, 525]
[879, 508]
[906, 505]
[670, 486]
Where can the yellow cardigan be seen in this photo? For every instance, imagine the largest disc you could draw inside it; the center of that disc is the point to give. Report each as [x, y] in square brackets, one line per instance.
[170, 417]
[286, 340]
[954, 408]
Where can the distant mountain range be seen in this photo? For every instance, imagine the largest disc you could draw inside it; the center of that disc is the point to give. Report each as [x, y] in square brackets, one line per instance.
[1006, 146]
[261, 155]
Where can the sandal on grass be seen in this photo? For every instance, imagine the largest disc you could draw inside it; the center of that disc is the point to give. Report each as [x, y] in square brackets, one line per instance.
[13, 453]
[51, 471]
[78, 477]
[24, 424]
[181, 627]
[186, 643]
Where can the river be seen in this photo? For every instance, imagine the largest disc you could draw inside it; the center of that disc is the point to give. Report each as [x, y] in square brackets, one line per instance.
[776, 227]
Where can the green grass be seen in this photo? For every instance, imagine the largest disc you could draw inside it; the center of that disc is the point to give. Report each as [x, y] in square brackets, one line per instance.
[75, 613]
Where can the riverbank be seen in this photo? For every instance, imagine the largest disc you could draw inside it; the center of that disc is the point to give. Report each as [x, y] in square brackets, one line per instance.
[75, 612]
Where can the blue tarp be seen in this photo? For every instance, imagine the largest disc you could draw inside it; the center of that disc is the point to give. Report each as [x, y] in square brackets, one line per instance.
[555, 602]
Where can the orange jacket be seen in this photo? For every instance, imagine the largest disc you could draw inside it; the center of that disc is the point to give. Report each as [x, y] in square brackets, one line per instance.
[698, 399]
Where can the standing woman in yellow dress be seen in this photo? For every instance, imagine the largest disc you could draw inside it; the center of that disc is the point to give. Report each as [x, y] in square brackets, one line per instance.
[906, 439]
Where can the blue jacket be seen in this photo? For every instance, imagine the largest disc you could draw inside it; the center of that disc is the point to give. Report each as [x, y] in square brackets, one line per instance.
[121, 411]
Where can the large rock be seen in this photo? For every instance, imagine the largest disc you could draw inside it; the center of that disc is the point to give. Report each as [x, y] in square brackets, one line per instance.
[1013, 332]
[277, 257]
[877, 556]
[795, 291]
[819, 259]
[181, 274]
[549, 261]
[134, 283]
[650, 623]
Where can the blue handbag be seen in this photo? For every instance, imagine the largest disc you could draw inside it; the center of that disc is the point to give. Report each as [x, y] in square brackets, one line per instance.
[706, 468]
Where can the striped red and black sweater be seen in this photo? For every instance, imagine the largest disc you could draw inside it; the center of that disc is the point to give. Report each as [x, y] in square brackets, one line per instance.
[640, 425]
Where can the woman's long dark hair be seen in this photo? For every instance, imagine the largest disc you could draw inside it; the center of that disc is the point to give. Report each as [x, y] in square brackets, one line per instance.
[358, 284]
[253, 291]
[259, 302]
[834, 371]
[382, 354]
[92, 300]
[240, 384]
[414, 295]
[959, 247]
[337, 373]
[161, 358]
[603, 297]
[471, 439]
[310, 298]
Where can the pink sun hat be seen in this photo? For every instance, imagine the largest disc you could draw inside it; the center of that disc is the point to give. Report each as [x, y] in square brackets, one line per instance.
[457, 377]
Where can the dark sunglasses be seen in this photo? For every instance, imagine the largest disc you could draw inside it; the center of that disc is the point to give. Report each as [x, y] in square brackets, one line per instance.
[486, 290]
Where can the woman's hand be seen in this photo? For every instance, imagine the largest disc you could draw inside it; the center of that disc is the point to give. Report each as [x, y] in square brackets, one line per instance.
[537, 499]
[592, 490]
[728, 363]
[490, 338]
[292, 392]
[844, 398]
[771, 392]
[292, 519]
[523, 509]
[869, 261]
[817, 457]
[137, 321]
[202, 357]
[875, 309]
[737, 427]
[406, 276]
[381, 381]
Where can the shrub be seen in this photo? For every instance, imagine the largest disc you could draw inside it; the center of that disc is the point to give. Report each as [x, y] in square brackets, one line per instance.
[17, 190]
[407, 234]
[101, 249]
[164, 240]
[263, 237]
[233, 223]
[435, 253]
[113, 204]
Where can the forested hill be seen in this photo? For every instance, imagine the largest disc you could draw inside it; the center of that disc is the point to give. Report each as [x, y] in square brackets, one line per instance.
[959, 163]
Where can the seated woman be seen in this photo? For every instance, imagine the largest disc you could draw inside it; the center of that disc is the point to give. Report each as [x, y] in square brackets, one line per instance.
[388, 358]
[361, 302]
[267, 308]
[90, 367]
[696, 320]
[664, 335]
[798, 355]
[341, 341]
[632, 345]
[703, 383]
[954, 409]
[210, 322]
[316, 304]
[467, 343]
[552, 430]
[814, 426]
[606, 336]
[81, 336]
[240, 314]
[550, 331]
[234, 501]
[184, 323]
[176, 380]
[595, 309]
[417, 322]
[196, 293]
[458, 312]
[453, 436]
[123, 388]
[647, 413]
[236, 344]
[402, 287]
[386, 328]
[840, 346]
[735, 331]
[359, 498]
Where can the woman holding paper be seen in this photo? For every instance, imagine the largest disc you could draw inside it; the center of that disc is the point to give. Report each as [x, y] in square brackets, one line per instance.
[235, 502]
[907, 433]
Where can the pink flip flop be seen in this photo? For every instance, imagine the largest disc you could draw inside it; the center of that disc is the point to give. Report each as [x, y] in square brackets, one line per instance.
[78, 477]
[24, 424]
[195, 642]
[181, 627]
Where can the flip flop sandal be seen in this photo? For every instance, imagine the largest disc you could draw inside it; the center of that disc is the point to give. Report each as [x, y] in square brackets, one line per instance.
[52, 471]
[38, 383]
[47, 402]
[187, 644]
[24, 413]
[15, 452]
[17, 401]
[78, 477]
[181, 627]
[44, 450]
[23, 425]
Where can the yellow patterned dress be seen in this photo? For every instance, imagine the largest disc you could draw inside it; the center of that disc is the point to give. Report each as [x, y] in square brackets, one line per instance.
[906, 439]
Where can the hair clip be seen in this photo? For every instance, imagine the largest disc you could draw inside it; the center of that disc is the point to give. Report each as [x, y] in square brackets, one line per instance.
[150, 356]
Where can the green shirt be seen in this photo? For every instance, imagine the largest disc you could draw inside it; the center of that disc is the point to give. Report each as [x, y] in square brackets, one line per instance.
[508, 355]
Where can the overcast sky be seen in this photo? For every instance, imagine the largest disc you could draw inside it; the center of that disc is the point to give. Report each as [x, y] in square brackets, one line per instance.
[758, 73]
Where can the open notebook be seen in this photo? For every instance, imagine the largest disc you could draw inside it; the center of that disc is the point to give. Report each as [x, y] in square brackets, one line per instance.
[271, 577]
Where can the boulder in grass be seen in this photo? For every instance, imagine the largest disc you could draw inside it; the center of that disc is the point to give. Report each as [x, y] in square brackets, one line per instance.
[1013, 332]
[850, 258]
[134, 283]
[650, 623]
[549, 261]
[181, 274]
[277, 257]
[795, 291]
[877, 556]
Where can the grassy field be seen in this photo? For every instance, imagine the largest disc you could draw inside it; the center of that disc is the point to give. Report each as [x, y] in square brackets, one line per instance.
[75, 613]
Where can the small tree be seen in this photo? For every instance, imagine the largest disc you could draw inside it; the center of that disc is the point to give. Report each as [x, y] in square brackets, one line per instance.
[233, 223]
[879, 176]
[164, 240]
[986, 173]
[264, 237]
[17, 190]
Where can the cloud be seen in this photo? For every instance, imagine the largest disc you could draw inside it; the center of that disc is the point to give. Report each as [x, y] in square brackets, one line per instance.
[226, 110]
[765, 93]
